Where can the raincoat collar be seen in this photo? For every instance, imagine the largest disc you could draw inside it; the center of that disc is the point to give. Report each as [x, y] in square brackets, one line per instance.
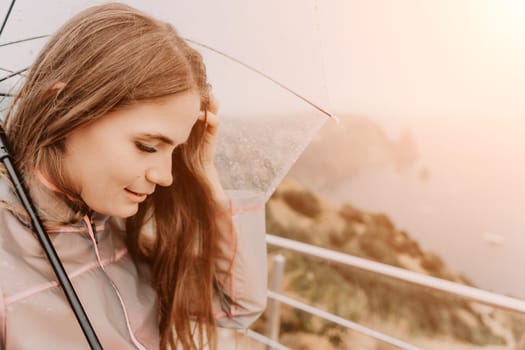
[56, 214]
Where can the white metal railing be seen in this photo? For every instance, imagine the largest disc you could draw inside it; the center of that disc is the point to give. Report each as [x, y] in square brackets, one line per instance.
[341, 321]
[449, 287]
[264, 340]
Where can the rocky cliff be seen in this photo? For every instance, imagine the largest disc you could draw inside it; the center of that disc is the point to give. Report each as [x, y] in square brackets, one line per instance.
[353, 146]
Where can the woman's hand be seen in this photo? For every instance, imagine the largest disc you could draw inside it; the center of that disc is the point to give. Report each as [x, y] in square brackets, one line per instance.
[210, 139]
[210, 135]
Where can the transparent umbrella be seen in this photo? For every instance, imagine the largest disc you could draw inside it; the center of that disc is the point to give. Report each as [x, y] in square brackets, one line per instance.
[264, 62]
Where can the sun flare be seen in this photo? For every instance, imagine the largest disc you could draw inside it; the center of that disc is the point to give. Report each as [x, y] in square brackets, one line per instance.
[504, 20]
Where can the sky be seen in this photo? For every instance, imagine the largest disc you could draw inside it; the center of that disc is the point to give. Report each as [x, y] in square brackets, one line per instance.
[388, 60]
[425, 59]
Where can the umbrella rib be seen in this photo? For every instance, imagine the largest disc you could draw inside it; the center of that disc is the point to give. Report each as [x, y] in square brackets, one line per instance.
[10, 71]
[13, 74]
[7, 16]
[255, 70]
[24, 40]
[9, 93]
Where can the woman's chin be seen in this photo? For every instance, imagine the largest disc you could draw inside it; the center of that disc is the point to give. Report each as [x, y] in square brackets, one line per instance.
[122, 212]
[126, 214]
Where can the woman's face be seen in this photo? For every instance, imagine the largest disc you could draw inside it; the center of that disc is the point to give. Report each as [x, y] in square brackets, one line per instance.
[117, 161]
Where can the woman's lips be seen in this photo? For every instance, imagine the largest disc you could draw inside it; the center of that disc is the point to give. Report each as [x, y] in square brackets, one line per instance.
[135, 196]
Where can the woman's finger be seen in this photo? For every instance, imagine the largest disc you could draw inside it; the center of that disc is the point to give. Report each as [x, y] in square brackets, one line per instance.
[212, 119]
[214, 104]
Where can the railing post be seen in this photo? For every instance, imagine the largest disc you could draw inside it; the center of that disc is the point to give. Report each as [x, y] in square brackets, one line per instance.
[274, 307]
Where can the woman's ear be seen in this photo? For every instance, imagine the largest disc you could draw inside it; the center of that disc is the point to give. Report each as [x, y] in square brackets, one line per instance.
[53, 90]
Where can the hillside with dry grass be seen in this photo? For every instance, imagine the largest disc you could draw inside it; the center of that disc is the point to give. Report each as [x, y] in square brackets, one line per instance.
[412, 313]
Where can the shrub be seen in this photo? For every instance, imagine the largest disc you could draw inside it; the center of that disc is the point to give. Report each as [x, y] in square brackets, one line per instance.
[303, 202]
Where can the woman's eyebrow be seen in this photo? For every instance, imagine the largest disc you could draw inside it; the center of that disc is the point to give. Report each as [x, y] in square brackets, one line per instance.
[161, 138]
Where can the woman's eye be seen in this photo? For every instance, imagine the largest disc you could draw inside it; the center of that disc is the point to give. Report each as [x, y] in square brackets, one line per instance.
[145, 148]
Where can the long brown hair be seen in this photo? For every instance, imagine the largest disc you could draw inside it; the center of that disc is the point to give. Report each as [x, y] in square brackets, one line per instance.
[104, 58]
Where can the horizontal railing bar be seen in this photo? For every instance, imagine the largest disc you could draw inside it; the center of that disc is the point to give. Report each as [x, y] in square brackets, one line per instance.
[340, 321]
[264, 339]
[468, 292]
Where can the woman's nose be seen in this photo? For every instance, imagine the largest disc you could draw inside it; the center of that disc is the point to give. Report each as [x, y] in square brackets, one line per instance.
[160, 174]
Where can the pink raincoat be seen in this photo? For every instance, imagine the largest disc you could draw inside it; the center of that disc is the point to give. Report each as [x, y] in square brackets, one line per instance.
[116, 293]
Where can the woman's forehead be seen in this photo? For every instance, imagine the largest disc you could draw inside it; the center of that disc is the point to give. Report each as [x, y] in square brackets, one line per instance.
[169, 120]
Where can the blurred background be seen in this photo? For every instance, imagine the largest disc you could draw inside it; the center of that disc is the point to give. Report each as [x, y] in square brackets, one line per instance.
[426, 167]
[436, 89]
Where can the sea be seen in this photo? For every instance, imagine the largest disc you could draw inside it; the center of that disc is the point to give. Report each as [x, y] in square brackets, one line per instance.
[464, 197]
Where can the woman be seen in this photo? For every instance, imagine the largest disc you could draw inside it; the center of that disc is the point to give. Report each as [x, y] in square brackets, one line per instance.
[113, 131]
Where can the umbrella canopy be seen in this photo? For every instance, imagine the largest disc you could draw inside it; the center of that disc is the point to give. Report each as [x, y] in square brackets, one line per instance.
[264, 62]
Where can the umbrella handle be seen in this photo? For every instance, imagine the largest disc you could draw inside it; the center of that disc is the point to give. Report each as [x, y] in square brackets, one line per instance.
[43, 237]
